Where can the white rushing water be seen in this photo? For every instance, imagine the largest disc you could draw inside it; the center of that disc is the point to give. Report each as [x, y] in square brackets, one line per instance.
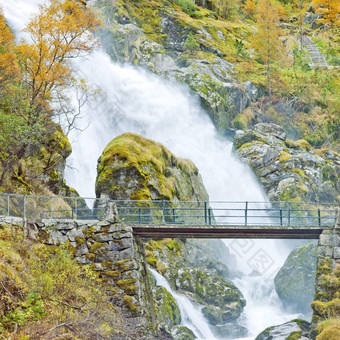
[191, 315]
[133, 100]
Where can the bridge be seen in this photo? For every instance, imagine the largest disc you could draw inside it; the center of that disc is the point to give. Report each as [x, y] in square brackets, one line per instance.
[183, 219]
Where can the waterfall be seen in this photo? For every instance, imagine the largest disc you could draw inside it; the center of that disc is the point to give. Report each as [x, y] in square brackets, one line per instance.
[191, 316]
[134, 100]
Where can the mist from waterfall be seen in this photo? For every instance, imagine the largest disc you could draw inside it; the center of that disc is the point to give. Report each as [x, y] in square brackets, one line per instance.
[131, 99]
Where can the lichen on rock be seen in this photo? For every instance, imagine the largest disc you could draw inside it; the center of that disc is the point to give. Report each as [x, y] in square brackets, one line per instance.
[134, 167]
[289, 170]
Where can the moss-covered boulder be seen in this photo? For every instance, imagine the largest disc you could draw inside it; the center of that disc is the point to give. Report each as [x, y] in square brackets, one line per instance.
[134, 167]
[289, 170]
[182, 333]
[222, 300]
[295, 281]
[292, 330]
[168, 311]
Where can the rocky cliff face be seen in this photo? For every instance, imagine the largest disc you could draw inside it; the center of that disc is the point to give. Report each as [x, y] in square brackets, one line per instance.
[189, 45]
[289, 170]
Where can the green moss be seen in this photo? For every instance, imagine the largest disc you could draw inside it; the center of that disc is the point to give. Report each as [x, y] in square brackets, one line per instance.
[124, 265]
[112, 273]
[96, 246]
[152, 261]
[304, 144]
[291, 144]
[125, 283]
[294, 335]
[59, 139]
[128, 302]
[245, 145]
[329, 329]
[143, 159]
[79, 240]
[330, 309]
[90, 256]
[243, 120]
[284, 156]
[294, 193]
[171, 244]
[301, 173]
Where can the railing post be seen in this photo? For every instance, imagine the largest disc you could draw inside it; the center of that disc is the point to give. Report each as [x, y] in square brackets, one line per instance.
[246, 214]
[209, 215]
[51, 207]
[205, 213]
[25, 207]
[163, 210]
[76, 208]
[288, 214]
[281, 222]
[8, 204]
[319, 217]
[139, 215]
[173, 215]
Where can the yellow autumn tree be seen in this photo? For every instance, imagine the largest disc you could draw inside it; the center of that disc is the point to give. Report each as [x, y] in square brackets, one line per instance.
[227, 8]
[60, 32]
[267, 44]
[329, 10]
[301, 6]
[249, 8]
[8, 61]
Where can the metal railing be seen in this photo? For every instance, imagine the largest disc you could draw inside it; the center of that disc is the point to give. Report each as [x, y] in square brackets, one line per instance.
[32, 207]
[35, 208]
[227, 213]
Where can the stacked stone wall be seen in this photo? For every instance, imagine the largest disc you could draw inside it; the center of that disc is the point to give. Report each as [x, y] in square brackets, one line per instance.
[328, 258]
[110, 248]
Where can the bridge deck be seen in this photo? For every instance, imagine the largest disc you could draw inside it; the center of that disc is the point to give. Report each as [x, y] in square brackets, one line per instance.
[225, 231]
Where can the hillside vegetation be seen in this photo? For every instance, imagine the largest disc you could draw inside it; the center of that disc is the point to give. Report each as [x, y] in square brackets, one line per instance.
[217, 46]
[45, 294]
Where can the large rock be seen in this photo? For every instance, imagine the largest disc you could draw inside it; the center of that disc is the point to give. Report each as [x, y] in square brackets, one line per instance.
[134, 167]
[289, 170]
[294, 330]
[295, 281]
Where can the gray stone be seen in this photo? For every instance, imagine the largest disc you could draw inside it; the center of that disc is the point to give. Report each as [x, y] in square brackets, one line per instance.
[326, 240]
[55, 237]
[111, 213]
[325, 250]
[82, 260]
[131, 274]
[122, 244]
[102, 237]
[294, 283]
[82, 250]
[284, 331]
[76, 232]
[336, 253]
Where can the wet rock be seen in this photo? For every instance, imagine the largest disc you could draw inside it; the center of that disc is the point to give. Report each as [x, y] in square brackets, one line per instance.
[296, 329]
[182, 333]
[295, 281]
